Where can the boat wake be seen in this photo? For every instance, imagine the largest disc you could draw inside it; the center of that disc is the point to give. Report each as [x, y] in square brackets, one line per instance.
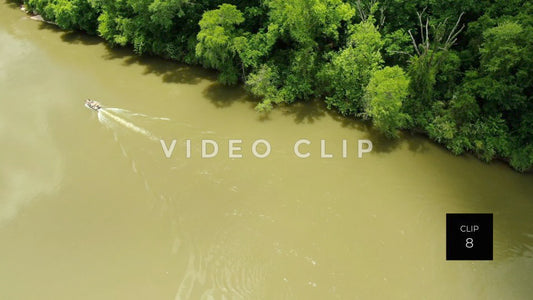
[122, 111]
[124, 125]
[105, 115]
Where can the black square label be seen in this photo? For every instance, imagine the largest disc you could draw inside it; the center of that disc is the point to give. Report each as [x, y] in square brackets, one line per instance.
[468, 236]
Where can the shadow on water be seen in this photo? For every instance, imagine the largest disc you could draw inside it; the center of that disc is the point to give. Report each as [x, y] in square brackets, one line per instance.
[415, 142]
[305, 112]
[223, 96]
[13, 3]
[512, 216]
[169, 71]
[311, 111]
[74, 37]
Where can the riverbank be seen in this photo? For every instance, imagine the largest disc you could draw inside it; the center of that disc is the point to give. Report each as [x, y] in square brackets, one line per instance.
[460, 127]
[35, 17]
[92, 209]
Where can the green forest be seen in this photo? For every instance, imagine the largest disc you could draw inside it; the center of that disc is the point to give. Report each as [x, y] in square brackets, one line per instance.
[459, 71]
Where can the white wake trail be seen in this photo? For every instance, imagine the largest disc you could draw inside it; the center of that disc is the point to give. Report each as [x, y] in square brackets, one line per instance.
[103, 112]
[132, 114]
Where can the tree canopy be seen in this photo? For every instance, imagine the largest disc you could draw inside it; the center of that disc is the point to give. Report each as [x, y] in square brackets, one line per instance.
[460, 71]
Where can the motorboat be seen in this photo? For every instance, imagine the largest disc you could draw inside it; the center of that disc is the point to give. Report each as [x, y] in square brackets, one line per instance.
[93, 104]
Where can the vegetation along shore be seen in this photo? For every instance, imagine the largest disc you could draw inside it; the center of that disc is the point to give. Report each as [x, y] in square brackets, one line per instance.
[460, 71]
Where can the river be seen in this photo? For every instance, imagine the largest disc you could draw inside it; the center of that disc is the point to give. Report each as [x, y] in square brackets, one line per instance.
[91, 208]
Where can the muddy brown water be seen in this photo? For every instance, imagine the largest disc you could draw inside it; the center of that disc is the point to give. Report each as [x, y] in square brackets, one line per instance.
[90, 207]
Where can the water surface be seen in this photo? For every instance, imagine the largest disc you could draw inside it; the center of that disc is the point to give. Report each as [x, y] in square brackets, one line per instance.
[90, 208]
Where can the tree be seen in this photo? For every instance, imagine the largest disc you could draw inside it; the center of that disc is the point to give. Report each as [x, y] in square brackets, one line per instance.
[67, 14]
[265, 83]
[431, 50]
[470, 91]
[503, 85]
[347, 74]
[384, 97]
[216, 41]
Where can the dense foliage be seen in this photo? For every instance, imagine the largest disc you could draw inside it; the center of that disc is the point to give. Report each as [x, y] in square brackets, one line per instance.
[461, 71]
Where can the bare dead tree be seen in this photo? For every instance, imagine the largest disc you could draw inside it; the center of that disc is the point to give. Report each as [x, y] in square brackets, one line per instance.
[365, 11]
[439, 40]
